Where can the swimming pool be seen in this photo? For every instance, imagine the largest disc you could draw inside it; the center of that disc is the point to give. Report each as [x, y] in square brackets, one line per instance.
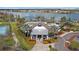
[3, 30]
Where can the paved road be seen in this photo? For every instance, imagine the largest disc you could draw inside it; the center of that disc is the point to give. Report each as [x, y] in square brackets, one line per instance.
[60, 45]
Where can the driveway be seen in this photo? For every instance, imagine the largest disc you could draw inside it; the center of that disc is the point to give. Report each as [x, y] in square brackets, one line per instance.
[39, 46]
[62, 39]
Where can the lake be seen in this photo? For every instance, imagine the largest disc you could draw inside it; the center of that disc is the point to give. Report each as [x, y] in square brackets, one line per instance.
[3, 30]
[31, 15]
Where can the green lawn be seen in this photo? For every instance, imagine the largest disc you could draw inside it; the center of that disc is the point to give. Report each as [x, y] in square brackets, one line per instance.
[7, 40]
[24, 43]
[4, 23]
[74, 44]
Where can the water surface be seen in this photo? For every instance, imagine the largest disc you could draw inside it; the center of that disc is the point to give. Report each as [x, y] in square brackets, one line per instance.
[3, 30]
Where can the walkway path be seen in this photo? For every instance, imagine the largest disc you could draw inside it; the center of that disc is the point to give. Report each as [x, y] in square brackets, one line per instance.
[17, 44]
[41, 47]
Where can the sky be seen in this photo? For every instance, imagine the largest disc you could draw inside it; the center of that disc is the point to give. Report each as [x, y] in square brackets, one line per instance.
[39, 7]
[39, 3]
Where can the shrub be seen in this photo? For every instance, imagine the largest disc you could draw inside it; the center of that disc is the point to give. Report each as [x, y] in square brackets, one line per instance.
[32, 42]
[52, 49]
[45, 41]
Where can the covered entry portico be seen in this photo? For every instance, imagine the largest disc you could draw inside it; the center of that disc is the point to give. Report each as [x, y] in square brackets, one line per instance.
[39, 37]
[39, 33]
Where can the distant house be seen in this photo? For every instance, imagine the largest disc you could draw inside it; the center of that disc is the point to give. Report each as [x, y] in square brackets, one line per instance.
[67, 26]
[53, 27]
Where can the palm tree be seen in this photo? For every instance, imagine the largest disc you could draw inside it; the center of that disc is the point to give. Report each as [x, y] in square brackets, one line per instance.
[63, 19]
[40, 18]
[69, 25]
[20, 20]
[6, 17]
[53, 19]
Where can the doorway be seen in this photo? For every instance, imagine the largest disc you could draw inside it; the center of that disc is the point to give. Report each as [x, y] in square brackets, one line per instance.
[39, 37]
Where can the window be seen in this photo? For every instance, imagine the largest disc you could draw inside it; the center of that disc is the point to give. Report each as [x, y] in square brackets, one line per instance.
[44, 36]
[33, 36]
[39, 36]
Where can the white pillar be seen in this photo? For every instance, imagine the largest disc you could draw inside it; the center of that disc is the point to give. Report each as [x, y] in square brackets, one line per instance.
[47, 37]
[31, 36]
[42, 37]
[36, 37]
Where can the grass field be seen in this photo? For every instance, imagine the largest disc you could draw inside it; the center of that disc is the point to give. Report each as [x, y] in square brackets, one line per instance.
[6, 40]
[74, 44]
[24, 41]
